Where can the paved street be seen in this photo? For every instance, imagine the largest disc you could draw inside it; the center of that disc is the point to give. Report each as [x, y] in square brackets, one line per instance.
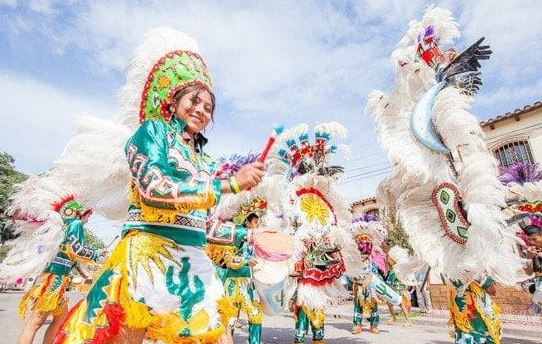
[279, 329]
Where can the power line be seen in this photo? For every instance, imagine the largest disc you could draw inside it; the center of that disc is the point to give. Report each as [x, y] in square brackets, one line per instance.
[367, 156]
[387, 168]
[372, 173]
[366, 177]
[367, 167]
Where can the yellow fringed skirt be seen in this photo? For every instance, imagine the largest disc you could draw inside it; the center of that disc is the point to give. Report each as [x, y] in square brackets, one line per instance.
[46, 296]
[150, 282]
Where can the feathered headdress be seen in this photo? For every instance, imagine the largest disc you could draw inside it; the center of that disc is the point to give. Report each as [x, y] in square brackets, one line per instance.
[172, 72]
[227, 167]
[313, 198]
[256, 205]
[521, 173]
[299, 155]
[39, 210]
[265, 199]
[166, 61]
[68, 208]
[371, 225]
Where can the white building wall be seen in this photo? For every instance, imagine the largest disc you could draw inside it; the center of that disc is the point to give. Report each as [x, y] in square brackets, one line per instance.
[529, 128]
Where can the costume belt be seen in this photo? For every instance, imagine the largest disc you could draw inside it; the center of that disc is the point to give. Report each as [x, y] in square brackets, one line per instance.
[62, 261]
[185, 230]
[180, 220]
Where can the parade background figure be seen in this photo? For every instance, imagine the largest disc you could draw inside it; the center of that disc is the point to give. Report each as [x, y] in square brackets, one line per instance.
[371, 225]
[46, 297]
[236, 224]
[534, 285]
[396, 255]
[365, 298]
[423, 295]
[524, 200]
[319, 220]
[236, 275]
[444, 184]
[532, 228]
[474, 315]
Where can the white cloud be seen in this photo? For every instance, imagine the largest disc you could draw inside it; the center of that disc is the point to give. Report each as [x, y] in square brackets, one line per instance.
[43, 7]
[513, 95]
[10, 3]
[36, 120]
[286, 62]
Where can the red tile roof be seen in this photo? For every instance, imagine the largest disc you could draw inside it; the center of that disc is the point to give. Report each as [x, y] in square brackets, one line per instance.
[512, 114]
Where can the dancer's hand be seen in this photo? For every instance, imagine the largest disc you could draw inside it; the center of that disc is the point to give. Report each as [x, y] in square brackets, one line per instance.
[250, 175]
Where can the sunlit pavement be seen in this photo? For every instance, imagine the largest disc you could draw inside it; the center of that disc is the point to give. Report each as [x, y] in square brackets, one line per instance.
[430, 329]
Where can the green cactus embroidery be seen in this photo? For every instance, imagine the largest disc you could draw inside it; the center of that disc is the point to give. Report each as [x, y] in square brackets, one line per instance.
[188, 297]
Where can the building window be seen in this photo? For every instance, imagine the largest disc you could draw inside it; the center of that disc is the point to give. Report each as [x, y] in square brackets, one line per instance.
[517, 151]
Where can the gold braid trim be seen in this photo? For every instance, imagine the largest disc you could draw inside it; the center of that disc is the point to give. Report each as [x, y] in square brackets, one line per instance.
[164, 215]
[219, 254]
[149, 213]
[133, 196]
[255, 318]
[42, 300]
[226, 309]
[316, 316]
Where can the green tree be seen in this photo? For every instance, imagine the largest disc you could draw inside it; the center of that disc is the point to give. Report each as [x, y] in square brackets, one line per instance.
[396, 234]
[91, 240]
[8, 178]
[4, 251]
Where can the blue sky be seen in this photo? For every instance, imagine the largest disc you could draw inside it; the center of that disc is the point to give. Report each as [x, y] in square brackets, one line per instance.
[271, 62]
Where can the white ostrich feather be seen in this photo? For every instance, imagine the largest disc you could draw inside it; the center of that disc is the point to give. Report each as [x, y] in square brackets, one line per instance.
[375, 229]
[531, 192]
[398, 254]
[345, 150]
[318, 297]
[440, 19]
[419, 170]
[33, 250]
[40, 228]
[98, 169]
[405, 266]
[336, 129]
[34, 197]
[272, 188]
